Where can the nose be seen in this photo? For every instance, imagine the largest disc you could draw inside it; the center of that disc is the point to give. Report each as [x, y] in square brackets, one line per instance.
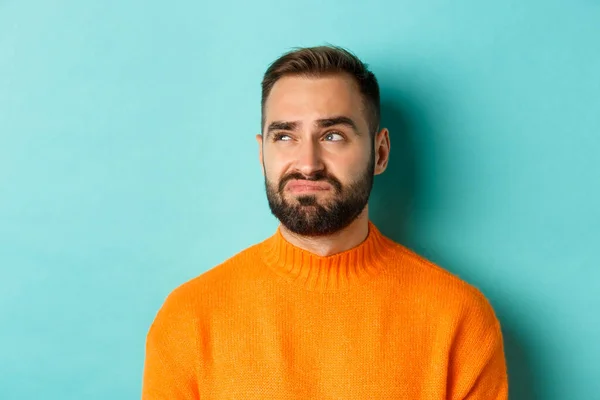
[308, 158]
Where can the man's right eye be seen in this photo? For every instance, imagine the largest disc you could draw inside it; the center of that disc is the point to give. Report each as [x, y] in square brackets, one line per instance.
[281, 137]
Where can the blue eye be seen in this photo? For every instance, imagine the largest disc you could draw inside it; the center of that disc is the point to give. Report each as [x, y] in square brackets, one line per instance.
[281, 137]
[334, 137]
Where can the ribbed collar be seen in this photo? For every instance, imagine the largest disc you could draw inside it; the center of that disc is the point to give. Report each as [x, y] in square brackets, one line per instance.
[328, 273]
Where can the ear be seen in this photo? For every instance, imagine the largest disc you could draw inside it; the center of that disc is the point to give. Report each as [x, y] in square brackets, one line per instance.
[259, 140]
[382, 151]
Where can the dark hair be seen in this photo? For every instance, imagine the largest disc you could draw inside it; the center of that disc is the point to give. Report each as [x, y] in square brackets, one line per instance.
[320, 61]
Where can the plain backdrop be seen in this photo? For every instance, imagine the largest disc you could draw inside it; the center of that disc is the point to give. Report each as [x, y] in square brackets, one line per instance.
[128, 165]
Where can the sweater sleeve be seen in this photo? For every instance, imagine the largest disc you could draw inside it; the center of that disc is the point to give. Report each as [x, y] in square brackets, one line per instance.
[170, 366]
[477, 364]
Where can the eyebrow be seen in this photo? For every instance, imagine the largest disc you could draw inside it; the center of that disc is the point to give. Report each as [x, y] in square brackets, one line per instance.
[322, 123]
[281, 126]
[340, 120]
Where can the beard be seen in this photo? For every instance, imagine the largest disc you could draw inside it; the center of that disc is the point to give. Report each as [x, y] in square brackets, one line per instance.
[306, 215]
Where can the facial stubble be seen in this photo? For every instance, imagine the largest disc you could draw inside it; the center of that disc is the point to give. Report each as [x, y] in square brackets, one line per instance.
[306, 215]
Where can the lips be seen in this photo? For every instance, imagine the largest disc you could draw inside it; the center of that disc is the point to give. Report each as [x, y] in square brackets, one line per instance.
[307, 186]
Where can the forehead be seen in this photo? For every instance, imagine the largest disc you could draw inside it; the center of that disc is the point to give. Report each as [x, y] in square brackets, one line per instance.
[300, 98]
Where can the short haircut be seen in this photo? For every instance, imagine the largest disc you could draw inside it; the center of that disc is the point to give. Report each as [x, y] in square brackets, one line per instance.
[323, 61]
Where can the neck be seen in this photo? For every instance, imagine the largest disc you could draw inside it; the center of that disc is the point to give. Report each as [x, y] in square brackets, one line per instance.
[345, 239]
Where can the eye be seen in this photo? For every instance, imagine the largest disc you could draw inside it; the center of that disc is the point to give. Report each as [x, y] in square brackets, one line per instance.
[334, 137]
[281, 137]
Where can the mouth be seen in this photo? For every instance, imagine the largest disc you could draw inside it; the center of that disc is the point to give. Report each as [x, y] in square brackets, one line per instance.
[304, 186]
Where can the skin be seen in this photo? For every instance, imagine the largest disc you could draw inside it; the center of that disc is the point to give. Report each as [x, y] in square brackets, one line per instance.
[304, 145]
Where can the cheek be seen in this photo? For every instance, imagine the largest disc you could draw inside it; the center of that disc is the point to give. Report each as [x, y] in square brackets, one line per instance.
[349, 167]
[275, 161]
[273, 168]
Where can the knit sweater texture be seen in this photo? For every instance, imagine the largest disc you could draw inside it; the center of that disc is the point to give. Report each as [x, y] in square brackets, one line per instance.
[278, 322]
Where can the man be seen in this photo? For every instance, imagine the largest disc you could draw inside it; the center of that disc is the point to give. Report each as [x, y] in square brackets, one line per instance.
[328, 307]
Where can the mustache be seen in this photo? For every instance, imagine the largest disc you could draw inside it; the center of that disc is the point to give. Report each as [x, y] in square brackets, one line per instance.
[319, 176]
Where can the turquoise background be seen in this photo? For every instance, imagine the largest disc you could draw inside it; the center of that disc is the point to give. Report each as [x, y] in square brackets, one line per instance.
[128, 165]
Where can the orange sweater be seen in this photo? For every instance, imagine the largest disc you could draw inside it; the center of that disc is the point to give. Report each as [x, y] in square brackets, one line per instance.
[278, 322]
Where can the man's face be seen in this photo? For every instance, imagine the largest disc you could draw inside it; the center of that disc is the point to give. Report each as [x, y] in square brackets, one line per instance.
[317, 154]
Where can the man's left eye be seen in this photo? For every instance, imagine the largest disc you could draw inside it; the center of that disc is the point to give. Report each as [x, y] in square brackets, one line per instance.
[334, 137]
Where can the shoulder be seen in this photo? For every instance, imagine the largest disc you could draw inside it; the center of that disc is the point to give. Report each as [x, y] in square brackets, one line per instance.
[217, 281]
[441, 291]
